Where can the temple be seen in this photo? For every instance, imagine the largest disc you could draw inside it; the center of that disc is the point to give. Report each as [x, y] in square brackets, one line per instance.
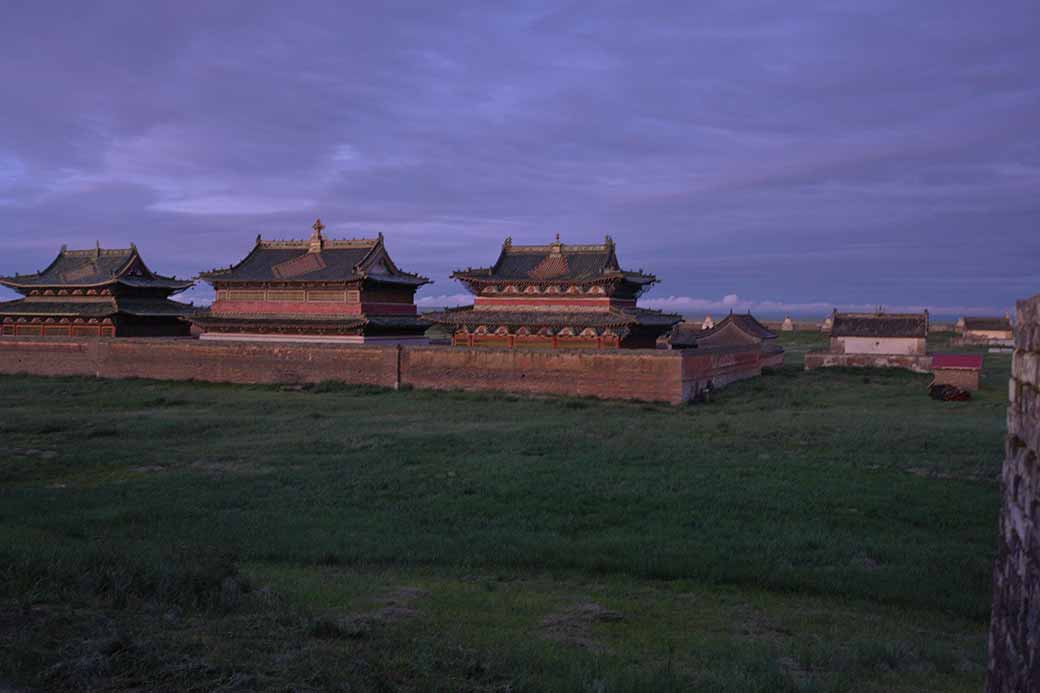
[879, 333]
[555, 296]
[95, 293]
[736, 329]
[315, 290]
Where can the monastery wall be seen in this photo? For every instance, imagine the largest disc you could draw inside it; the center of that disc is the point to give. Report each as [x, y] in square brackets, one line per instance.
[647, 375]
[189, 359]
[719, 367]
[1014, 641]
[246, 362]
[49, 356]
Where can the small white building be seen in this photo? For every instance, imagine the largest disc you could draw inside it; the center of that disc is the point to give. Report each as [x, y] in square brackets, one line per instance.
[879, 333]
[975, 329]
[708, 323]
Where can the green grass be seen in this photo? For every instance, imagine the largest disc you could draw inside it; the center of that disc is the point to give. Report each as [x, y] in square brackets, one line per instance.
[824, 530]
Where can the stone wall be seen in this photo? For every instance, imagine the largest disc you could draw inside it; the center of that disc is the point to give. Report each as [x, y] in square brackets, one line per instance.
[648, 374]
[1014, 642]
[828, 359]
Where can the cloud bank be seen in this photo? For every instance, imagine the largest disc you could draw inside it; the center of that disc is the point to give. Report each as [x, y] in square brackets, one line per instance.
[865, 152]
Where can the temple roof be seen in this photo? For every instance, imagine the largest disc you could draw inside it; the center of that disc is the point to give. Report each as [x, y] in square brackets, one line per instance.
[159, 307]
[615, 317]
[880, 324]
[96, 267]
[316, 259]
[687, 334]
[989, 324]
[555, 262]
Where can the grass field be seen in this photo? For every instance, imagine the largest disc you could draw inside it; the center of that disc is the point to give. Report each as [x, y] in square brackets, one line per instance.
[823, 531]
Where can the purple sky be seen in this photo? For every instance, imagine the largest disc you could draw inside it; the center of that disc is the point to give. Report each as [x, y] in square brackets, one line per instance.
[778, 155]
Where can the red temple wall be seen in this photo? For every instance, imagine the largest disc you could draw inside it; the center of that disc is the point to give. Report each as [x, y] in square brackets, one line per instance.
[543, 302]
[310, 308]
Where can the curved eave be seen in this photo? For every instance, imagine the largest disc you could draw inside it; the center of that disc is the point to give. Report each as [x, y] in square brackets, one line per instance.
[604, 279]
[217, 272]
[466, 315]
[401, 279]
[174, 285]
[38, 285]
[283, 280]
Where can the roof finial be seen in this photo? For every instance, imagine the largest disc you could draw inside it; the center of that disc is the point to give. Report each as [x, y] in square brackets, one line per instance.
[97, 249]
[317, 241]
[508, 243]
[557, 238]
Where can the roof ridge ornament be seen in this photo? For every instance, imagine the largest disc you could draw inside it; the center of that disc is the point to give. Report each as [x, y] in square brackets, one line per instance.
[317, 241]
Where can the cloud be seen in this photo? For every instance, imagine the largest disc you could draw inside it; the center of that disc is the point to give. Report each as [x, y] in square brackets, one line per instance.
[857, 151]
[445, 301]
[689, 305]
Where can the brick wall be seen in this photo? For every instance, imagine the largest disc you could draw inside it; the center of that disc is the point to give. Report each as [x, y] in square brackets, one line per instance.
[648, 375]
[48, 357]
[189, 359]
[645, 375]
[719, 367]
[1014, 642]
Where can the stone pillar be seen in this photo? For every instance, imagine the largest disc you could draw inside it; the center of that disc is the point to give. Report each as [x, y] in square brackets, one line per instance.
[1014, 640]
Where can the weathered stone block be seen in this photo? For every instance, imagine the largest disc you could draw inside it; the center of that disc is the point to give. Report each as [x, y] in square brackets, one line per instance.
[1014, 642]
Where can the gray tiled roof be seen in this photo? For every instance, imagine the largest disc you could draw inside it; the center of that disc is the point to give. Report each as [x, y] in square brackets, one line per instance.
[22, 307]
[288, 261]
[95, 267]
[688, 334]
[158, 307]
[556, 261]
[992, 324]
[880, 325]
[155, 308]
